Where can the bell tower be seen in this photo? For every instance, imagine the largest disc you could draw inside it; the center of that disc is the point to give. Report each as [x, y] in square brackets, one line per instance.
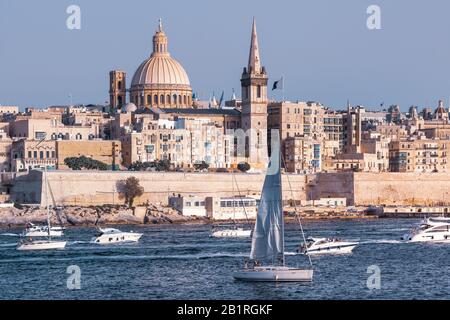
[254, 105]
[117, 89]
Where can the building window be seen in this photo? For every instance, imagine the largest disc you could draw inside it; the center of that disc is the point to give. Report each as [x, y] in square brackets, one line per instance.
[41, 154]
[149, 99]
[155, 99]
[258, 91]
[174, 99]
[35, 154]
[162, 99]
[168, 99]
[40, 135]
[29, 154]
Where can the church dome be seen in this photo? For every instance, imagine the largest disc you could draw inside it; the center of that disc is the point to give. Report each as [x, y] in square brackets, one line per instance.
[161, 81]
[160, 70]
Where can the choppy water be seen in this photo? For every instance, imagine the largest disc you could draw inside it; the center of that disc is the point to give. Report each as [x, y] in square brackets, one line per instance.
[183, 262]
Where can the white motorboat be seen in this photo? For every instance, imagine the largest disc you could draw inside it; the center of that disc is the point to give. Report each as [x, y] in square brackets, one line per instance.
[30, 244]
[430, 230]
[231, 233]
[40, 245]
[42, 231]
[111, 235]
[268, 235]
[327, 246]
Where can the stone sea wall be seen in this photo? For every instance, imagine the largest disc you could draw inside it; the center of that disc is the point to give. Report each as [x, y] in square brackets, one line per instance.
[87, 188]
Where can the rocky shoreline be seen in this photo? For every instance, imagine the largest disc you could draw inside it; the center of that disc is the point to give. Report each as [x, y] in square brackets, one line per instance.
[152, 214]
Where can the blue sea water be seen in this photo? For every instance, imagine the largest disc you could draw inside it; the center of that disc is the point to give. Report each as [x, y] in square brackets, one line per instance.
[183, 262]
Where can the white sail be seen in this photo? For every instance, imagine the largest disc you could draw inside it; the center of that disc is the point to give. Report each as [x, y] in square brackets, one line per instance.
[268, 236]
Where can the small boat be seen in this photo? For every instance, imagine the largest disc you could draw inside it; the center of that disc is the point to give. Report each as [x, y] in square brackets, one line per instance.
[40, 245]
[268, 235]
[234, 232]
[111, 235]
[430, 230]
[327, 246]
[33, 230]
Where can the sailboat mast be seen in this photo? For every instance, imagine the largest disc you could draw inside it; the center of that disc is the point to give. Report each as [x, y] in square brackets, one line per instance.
[46, 201]
[232, 190]
[282, 212]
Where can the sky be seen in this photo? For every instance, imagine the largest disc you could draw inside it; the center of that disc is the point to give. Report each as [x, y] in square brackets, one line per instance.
[322, 48]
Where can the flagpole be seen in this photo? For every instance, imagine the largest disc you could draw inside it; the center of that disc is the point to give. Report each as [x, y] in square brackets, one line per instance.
[282, 89]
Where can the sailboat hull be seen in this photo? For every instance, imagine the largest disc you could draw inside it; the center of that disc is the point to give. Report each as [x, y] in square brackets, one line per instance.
[274, 274]
[232, 233]
[41, 245]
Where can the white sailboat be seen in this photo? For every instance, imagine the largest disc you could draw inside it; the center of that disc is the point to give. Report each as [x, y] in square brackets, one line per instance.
[268, 235]
[30, 244]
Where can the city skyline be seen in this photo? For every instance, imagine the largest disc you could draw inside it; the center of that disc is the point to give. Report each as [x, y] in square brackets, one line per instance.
[375, 66]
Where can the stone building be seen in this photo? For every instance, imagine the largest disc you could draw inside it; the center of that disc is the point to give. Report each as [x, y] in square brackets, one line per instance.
[419, 155]
[28, 154]
[46, 128]
[106, 151]
[302, 155]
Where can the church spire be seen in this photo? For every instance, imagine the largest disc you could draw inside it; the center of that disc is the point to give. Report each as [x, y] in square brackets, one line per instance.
[254, 63]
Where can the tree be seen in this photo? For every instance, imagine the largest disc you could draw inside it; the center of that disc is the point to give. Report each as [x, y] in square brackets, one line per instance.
[201, 166]
[132, 189]
[158, 165]
[162, 165]
[243, 166]
[78, 163]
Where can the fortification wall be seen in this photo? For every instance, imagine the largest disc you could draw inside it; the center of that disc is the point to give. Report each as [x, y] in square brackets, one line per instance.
[402, 189]
[103, 187]
[86, 188]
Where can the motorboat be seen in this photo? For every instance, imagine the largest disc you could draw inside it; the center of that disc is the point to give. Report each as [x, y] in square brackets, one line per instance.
[236, 232]
[268, 234]
[436, 229]
[33, 230]
[28, 244]
[111, 235]
[327, 246]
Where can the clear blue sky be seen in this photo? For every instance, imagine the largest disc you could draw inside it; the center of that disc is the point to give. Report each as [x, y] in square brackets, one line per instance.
[322, 48]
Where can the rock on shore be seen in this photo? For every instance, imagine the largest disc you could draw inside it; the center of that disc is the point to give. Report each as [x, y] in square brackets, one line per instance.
[75, 215]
